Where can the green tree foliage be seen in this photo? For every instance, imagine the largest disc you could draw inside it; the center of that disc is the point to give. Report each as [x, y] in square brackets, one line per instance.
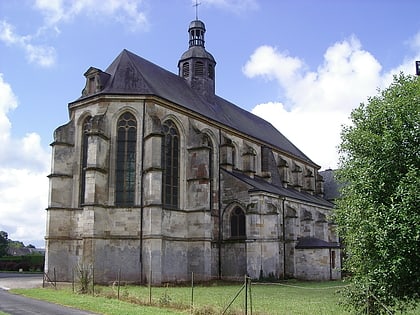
[378, 215]
[3, 243]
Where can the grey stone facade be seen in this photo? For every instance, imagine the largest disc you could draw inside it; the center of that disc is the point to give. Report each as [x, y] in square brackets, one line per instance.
[245, 197]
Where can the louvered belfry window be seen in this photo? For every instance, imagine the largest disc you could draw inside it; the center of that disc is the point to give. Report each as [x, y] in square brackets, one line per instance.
[126, 160]
[170, 164]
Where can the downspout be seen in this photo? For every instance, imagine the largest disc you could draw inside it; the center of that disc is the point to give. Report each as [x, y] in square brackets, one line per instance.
[284, 239]
[141, 194]
[329, 251]
[220, 208]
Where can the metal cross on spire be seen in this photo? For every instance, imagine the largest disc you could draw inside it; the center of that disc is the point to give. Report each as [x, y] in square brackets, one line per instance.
[196, 8]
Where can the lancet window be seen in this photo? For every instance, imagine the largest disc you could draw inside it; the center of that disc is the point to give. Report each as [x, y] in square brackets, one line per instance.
[125, 170]
[237, 223]
[83, 159]
[170, 164]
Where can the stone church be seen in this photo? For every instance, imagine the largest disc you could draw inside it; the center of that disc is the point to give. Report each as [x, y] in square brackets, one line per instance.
[157, 176]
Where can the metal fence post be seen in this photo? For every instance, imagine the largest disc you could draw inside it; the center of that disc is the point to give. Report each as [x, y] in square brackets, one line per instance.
[192, 292]
[246, 296]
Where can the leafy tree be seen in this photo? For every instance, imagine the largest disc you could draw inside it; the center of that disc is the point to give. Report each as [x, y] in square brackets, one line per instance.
[379, 215]
[3, 243]
[16, 244]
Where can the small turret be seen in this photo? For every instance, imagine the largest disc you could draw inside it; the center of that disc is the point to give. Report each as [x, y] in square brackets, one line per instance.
[197, 65]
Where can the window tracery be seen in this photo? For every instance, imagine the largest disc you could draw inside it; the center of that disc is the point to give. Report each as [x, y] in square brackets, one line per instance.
[126, 160]
[170, 165]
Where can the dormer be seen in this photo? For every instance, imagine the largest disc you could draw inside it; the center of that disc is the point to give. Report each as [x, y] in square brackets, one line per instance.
[95, 81]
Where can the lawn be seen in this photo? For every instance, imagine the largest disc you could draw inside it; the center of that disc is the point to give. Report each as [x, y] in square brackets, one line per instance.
[287, 298]
[293, 297]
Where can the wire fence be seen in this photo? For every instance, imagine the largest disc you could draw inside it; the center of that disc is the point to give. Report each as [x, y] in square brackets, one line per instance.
[200, 294]
[238, 297]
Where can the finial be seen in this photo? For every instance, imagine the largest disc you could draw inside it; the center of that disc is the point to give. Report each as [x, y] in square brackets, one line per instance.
[196, 8]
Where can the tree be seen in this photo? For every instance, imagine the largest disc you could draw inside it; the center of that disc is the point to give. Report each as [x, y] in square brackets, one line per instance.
[378, 214]
[3, 243]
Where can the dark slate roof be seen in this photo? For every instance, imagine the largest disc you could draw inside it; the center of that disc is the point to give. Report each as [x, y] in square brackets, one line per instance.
[197, 51]
[259, 184]
[313, 242]
[133, 75]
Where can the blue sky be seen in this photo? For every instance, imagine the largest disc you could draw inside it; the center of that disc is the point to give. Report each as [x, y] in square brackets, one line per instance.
[301, 64]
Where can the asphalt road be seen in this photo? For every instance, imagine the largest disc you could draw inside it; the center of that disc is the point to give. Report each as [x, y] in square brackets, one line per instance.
[18, 305]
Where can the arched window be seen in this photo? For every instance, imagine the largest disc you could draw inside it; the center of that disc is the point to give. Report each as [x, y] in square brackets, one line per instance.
[237, 223]
[83, 160]
[233, 158]
[125, 170]
[170, 165]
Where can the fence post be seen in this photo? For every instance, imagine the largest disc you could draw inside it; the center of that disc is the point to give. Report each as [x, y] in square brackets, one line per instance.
[118, 283]
[192, 292]
[55, 279]
[246, 296]
[250, 295]
[150, 286]
[72, 279]
[93, 280]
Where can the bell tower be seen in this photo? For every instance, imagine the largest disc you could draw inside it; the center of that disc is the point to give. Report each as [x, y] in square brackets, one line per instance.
[197, 65]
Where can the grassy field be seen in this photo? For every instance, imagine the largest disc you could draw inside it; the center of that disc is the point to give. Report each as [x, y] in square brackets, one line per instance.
[303, 298]
[293, 298]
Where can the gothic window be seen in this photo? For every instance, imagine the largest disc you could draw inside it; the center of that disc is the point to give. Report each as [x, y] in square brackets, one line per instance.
[83, 160]
[125, 170]
[170, 164]
[185, 70]
[234, 158]
[265, 159]
[199, 68]
[237, 223]
[208, 143]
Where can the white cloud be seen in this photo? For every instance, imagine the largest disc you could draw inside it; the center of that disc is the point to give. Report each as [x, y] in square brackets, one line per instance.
[55, 12]
[24, 165]
[8, 101]
[41, 55]
[319, 102]
[235, 6]
[127, 12]
[23, 195]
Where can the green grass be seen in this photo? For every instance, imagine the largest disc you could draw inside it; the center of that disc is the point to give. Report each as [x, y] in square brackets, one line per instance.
[97, 304]
[293, 297]
[296, 298]
[3, 313]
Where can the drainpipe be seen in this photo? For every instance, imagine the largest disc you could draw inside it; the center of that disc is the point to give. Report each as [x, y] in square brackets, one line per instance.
[141, 195]
[220, 208]
[284, 239]
[329, 251]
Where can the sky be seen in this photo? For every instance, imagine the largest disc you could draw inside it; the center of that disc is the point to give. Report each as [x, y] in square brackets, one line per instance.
[303, 65]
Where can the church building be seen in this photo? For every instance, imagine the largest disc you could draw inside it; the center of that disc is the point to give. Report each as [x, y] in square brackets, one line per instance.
[157, 176]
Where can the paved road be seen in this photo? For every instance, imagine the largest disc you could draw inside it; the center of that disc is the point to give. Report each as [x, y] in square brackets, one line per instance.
[18, 305]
